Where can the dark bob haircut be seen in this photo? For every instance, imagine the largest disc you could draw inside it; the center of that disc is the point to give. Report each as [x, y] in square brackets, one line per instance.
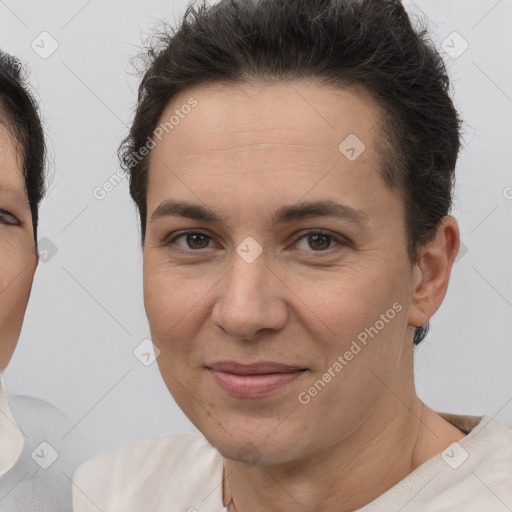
[20, 114]
[368, 45]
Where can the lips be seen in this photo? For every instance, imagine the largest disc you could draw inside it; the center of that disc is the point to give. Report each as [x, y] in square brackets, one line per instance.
[253, 369]
[255, 380]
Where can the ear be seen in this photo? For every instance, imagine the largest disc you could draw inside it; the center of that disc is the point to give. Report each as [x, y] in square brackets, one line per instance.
[432, 272]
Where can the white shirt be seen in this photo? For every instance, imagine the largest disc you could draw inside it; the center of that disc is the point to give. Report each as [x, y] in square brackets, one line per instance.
[11, 438]
[183, 473]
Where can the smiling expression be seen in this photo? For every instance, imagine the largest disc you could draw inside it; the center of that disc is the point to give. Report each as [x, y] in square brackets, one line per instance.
[259, 170]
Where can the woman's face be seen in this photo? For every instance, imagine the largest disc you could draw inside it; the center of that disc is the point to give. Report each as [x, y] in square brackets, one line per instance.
[18, 257]
[246, 289]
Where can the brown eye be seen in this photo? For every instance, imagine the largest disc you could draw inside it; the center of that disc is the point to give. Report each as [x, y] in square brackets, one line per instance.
[319, 241]
[194, 240]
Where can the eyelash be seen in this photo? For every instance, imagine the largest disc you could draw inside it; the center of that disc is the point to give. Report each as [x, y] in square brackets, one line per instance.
[340, 241]
[6, 215]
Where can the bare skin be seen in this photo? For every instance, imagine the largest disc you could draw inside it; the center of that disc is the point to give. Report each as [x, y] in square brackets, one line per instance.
[244, 152]
[18, 256]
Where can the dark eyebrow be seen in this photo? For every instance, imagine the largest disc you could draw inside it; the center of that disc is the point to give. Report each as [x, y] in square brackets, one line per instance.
[283, 215]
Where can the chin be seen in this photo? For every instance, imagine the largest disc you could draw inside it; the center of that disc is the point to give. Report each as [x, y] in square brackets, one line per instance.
[252, 443]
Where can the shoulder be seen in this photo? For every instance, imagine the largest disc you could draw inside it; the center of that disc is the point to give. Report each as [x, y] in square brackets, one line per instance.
[168, 448]
[475, 472]
[491, 440]
[147, 473]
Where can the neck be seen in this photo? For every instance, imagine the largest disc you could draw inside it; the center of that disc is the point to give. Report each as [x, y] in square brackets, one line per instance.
[394, 440]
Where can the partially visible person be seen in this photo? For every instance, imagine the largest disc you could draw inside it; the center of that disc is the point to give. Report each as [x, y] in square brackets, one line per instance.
[33, 463]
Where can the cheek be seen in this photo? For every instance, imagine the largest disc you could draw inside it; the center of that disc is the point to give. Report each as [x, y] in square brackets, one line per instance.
[358, 324]
[361, 360]
[16, 268]
[16, 275]
[347, 303]
[172, 303]
[174, 294]
[173, 324]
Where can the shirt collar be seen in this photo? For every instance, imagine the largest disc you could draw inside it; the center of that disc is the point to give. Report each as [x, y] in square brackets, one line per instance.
[462, 422]
[11, 438]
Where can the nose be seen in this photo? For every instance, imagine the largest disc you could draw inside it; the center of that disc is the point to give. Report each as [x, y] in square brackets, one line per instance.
[252, 298]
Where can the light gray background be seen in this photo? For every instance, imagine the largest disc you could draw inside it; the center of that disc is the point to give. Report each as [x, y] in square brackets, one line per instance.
[86, 315]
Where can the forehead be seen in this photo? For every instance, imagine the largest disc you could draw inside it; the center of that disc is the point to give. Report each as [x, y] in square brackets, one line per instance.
[267, 143]
[11, 162]
[300, 114]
